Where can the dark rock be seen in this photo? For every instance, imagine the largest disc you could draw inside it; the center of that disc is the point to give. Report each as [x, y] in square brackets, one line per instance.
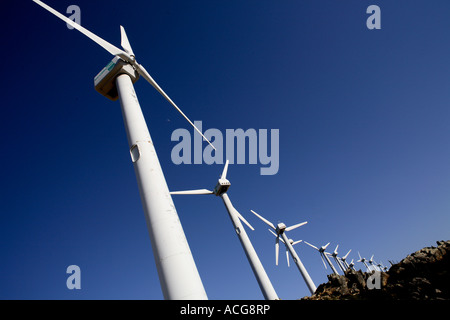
[422, 275]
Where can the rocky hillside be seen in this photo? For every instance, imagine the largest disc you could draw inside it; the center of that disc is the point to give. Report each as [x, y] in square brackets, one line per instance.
[422, 275]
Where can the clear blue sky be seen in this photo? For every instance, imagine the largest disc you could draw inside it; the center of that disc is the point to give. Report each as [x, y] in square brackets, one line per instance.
[364, 124]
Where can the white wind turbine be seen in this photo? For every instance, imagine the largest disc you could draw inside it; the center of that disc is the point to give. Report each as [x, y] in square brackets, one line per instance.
[363, 260]
[323, 255]
[334, 254]
[220, 190]
[344, 258]
[280, 230]
[177, 271]
[372, 263]
[352, 265]
[292, 242]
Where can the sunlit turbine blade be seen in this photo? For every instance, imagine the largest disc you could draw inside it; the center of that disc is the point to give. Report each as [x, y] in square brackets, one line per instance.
[345, 257]
[296, 226]
[270, 224]
[325, 246]
[243, 220]
[198, 191]
[359, 256]
[225, 170]
[277, 250]
[144, 73]
[335, 250]
[287, 257]
[104, 44]
[298, 241]
[275, 235]
[309, 244]
[124, 42]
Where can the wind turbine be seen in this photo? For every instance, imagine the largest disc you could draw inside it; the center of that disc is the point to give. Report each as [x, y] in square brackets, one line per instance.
[177, 271]
[292, 242]
[220, 190]
[372, 263]
[334, 254]
[363, 260]
[323, 255]
[344, 258]
[280, 230]
[352, 265]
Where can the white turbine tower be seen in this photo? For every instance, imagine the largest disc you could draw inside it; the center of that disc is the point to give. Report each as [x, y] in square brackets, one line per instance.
[177, 271]
[221, 190]
[363, 260]
[280, 230]
[323, 255]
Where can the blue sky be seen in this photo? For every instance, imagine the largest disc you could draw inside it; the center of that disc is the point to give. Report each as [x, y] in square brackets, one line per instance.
[363, 117]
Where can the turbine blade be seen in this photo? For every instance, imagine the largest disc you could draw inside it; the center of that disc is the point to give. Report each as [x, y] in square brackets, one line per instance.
[144, 73]
[345, 257]
[243, 220]
[359, 255]
[124, 42]
[296, 226]
[104, 44]
[277, 250]
[325, 246]
[276, 235]
[309, 244]
[287, 257]
[298, 241]
[270, 224]
[198, 191]
[335, 250]
[225, 170]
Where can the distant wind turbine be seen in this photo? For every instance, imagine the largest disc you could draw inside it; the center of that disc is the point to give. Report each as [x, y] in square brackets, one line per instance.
[221, 191]
[363, 260]
[334, 254]
[292, 242]
[352, 265]
[280, 231]
[372, 263]
[323, 255]
[344, 260]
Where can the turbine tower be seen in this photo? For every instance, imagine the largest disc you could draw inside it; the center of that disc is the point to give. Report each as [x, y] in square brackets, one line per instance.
[280, 230]
[221, 191]
[176, 268]
[323, 255]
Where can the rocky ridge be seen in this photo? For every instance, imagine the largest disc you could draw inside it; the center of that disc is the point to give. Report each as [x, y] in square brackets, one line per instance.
[422, 275]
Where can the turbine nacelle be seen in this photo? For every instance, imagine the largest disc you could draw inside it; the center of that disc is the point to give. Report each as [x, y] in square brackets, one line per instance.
[281, 227]
[222, 186]
[126, 55]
